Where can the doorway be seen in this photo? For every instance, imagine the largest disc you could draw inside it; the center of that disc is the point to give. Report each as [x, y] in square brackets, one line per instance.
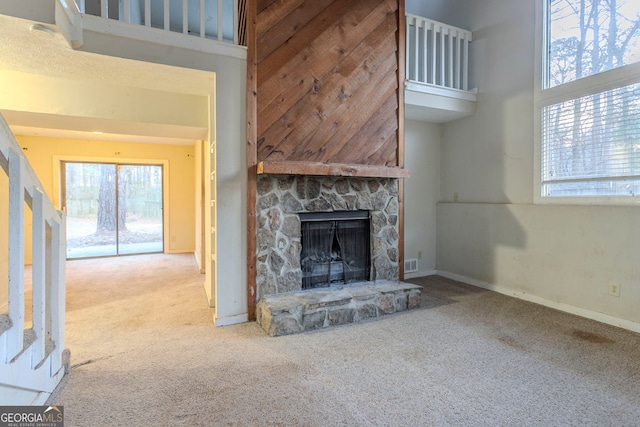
[112, 209]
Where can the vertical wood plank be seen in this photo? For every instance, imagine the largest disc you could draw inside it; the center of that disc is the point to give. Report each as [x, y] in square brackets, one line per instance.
[38, 238]
[252, 155]
[104, 9]
[400, 154]
[15, 335]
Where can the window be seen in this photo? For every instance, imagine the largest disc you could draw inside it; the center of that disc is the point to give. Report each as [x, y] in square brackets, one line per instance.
[589, 102]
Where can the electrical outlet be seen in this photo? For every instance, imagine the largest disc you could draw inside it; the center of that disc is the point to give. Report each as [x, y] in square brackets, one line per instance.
[419, 254]
[455, 196]
[614, 289]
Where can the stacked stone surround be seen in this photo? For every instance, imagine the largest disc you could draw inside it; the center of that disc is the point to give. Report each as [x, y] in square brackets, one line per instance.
[281, 198]
[309, 310]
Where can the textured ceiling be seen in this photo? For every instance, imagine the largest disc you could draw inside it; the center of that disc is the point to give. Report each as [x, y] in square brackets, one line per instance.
[36, 52]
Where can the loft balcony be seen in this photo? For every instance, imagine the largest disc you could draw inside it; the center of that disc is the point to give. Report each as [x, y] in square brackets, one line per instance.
[437, 71]
[109, 26]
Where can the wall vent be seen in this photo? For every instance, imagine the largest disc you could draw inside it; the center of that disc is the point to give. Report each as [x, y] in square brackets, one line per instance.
[410, 265]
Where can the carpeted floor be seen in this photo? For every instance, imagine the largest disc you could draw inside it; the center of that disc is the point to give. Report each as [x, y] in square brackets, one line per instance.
[144, 353]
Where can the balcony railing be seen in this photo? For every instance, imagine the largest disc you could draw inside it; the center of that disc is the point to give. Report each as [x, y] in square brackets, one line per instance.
[437, 54]
[221, 20]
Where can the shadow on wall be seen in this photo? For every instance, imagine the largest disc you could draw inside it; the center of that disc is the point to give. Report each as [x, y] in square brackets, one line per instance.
[470, 234]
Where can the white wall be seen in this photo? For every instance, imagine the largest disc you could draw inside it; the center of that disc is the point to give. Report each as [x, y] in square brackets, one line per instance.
[34, 10]
[562, 256]
[422, 193]
[4, 242]
[228, 289]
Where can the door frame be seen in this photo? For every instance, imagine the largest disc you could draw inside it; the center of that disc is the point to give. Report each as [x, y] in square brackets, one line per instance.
[58, 162]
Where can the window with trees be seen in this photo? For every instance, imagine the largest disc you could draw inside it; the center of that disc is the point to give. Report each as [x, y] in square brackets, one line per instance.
[590, 99]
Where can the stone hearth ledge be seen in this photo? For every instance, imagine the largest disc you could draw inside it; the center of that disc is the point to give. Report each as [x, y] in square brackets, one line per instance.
[308, 310]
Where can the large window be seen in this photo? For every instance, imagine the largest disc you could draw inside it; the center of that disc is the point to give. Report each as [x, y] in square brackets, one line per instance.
[590, 99]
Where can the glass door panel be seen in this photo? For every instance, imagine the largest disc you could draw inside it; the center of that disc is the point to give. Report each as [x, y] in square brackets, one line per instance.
[90, 197]
[140, 207]
[113, 209]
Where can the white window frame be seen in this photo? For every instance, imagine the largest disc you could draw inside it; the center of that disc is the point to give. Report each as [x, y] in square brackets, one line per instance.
[601, 82]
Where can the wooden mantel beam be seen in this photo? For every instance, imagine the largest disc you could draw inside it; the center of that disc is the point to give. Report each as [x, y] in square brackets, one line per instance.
[330, 169]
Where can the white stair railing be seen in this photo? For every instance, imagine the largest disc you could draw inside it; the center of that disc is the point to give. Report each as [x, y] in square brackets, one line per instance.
[211, 19]
[437, 54]
[31, 358]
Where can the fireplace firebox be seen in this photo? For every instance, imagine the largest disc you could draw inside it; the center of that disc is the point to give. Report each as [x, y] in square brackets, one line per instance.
[335, 248]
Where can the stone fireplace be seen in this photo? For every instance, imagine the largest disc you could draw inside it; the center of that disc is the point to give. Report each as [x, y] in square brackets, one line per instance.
[312, 234]
[284, 202]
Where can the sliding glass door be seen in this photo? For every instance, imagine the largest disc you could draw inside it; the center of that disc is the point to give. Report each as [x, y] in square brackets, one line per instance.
[112, 209]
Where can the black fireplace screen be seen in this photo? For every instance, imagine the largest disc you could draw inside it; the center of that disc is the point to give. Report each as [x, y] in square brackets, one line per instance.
[335, 248]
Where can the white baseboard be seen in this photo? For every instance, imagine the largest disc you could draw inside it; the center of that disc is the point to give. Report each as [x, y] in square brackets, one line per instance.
[567, 308]
[231, 320]
[416, 274]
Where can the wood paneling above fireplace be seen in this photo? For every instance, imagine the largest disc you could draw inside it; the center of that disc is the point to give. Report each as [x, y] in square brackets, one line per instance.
[327, 82]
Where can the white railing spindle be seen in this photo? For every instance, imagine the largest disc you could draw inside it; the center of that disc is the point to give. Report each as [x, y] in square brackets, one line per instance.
[15, 335]
[185, 16]
[459, 66]
[203, 13]
[104, 9]
[58, 303]
[230, 19]
[127, 10]
[167, 17]
[220, 32]
[416, 43]
[433, 54]
[443, 67]
[39, 279]
[450, 58]
[440, 56]
[425, 32]
[147, 13]
[407, 37]
[465, 74]
[236, 22]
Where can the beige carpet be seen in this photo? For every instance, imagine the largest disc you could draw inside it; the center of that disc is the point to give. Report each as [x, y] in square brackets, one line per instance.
[144, 353]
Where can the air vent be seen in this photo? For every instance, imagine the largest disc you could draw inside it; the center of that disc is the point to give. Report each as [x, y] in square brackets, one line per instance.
[410, 265]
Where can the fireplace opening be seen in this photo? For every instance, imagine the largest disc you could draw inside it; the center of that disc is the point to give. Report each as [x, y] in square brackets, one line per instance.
[335, 248]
